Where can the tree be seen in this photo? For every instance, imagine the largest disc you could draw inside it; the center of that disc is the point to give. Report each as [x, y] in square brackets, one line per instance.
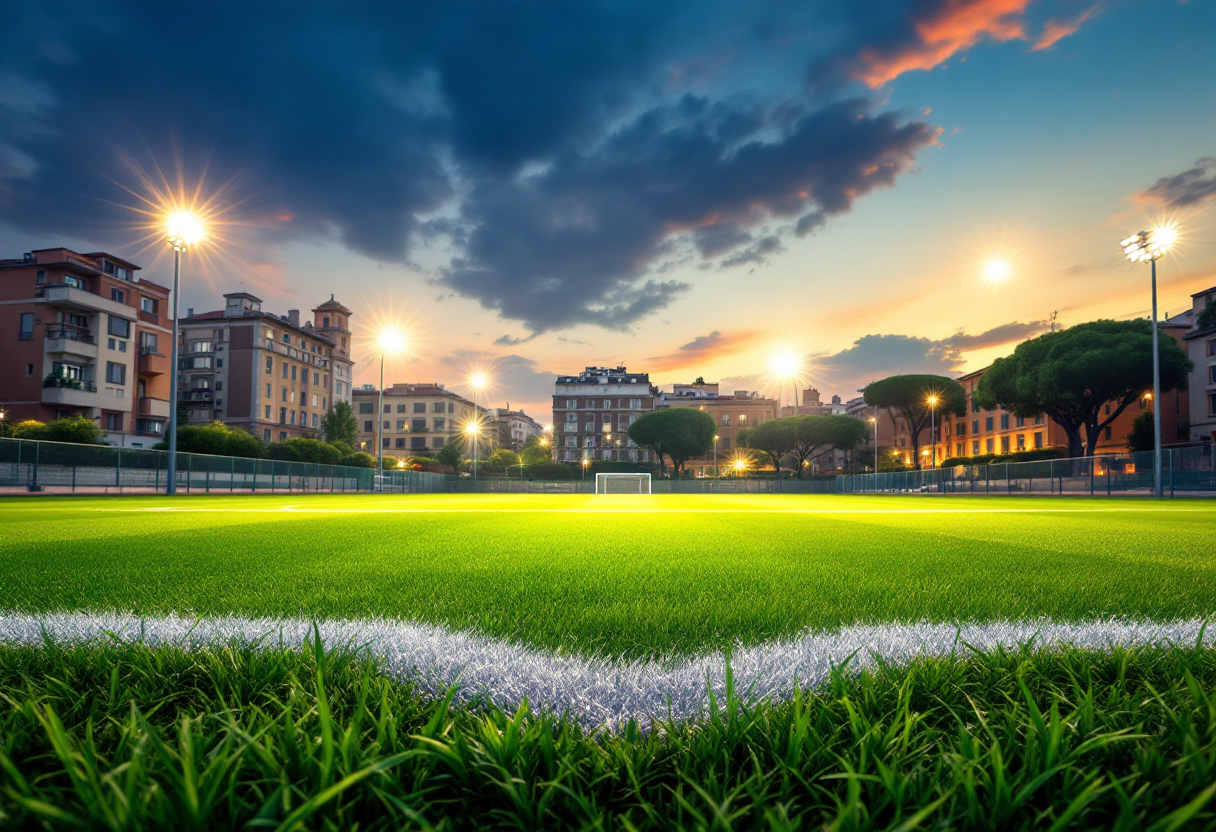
[300, 449]
[218, 439]
[774, 438]
[340, 425]
[358, 460]
[534, 452]
[503, 457]
[452, 453]
[907, 397]
[679, 432]
[813, 436]
[77, 430]
[1071, 375]
[1141, 437]
[1206, 319]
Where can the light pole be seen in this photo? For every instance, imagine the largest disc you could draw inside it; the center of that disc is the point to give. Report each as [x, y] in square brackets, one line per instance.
[874, 422]
[391, 341]
[715, 455]
[932, 401]
[1151, 246]
[182, 230]
[586, 462]
[473, 431]
[476, 381]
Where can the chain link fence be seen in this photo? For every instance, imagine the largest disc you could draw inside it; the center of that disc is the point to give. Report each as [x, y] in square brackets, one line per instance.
[1184, 470]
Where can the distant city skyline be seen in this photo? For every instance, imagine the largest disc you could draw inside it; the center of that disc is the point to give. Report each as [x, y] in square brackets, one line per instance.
[533, 189]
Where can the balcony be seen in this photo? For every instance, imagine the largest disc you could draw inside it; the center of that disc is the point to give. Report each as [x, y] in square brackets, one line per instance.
[149, 318]
[158, 408]
[63, 339]
[69, 297]
[197, 397]
[151, 362]
[69, 392]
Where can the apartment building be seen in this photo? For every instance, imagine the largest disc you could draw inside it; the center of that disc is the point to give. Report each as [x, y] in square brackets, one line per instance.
[85, 336]
[417, 419]
[271, 375]
[514, 427]
[593, 410]
[881, 425]
[1200, 344]
[812, 406]
[732, 413]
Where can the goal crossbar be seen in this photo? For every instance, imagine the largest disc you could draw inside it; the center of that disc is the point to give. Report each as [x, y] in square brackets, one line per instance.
[622, 483]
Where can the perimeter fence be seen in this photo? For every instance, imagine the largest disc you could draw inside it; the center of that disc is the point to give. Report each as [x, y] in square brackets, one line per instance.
[1184, 470]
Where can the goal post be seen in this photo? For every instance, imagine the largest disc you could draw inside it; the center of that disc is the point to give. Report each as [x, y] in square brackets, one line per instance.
[622, 483]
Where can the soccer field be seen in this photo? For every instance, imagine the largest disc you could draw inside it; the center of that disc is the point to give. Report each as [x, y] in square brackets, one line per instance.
[659, 576]
[501, 661]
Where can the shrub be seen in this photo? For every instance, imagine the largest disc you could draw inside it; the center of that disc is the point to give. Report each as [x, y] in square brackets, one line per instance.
[217, 439]
[358, 460]
[77, 430]
[1034, 455]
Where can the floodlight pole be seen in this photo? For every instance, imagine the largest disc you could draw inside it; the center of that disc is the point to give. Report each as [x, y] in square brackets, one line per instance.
[380, 426]
[1157, 490]
[933, 437]
[875, 421]
[171, 484]
[476, 433]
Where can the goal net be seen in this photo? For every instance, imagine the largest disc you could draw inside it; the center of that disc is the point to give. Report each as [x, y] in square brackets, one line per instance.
[622, 483]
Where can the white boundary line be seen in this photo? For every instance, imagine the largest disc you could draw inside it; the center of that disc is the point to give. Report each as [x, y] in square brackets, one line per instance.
[601, 692]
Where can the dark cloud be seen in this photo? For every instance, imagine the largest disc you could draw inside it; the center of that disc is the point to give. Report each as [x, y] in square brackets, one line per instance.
[995, 337]
[1191, 187]
[567, 152]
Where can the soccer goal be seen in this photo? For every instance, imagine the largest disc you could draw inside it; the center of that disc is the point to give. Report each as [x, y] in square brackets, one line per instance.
[622, 483]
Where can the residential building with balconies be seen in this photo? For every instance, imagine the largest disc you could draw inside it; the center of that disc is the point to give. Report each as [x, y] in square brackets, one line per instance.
[514, 427]
[593, 410]
[271, 375]
[86, 331]
[731, 412]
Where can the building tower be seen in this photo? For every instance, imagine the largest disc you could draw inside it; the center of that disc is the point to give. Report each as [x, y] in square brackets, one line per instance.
[332, 320]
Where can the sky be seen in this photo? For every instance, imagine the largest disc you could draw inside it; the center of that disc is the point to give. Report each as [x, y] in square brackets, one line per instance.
[529, 188]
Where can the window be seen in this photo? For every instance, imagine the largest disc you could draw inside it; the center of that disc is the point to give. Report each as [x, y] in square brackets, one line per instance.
[40, 278]
[1004, 421]
[975, 447]
[418, 425]
[418, 442]
[116, 373]
[438, 407]
[293, 372]
[29, 370]
[114, 423]
[367, 425]
[1106, 434]
[293, 417]
[268, 413]
[1212, 374]
[325, 321]
[400, 424]
[958, 449]
[367, 407]
[282, 394]
[725, 420]
[990, 445]
[386, 442]
[1021, 422]
[726, 443]
[400, 441]
[451, 408]
[961, 430]
[1038, 438]
[269, 365]
[219, 385]
[1021, 441]
[119, 327]
[1038, 420]
[420, 407]
[975, 426]
[988, 423]
[1211, 347]
[282, 436]
[975, 408]
[436, 441]
[742, 419]
[401, 408]
[74, 282]
[284, 369]
[1212, 404]
[385, 424]
[266, 433]
[1107, 409]
[118, 296]
[147, 305]
[571, 417]
[27, 327]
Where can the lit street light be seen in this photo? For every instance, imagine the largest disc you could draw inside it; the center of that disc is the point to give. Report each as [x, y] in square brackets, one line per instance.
[788, 365]
[476, 381]
[715, 454]
[932, 402]
[874, 422]
[586, 462]
[182, 230]
[1151, 246]
[391, 341]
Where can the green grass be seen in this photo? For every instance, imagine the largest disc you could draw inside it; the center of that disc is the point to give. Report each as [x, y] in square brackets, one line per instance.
[660, 576]
[129, 737]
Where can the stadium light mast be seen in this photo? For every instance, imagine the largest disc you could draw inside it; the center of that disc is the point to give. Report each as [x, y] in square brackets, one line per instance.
[182, 230]
[932, 402]
[391, 341]
[715, 455]
[874, 422]
[1150, 246]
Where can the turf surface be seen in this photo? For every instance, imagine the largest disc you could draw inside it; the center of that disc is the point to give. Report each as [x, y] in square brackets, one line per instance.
[628, 576]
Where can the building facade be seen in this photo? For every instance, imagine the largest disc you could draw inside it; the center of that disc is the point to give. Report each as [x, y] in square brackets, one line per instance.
[271, 375]
[417, 419]
[1200, 344]
[84, 335]
[732, 413]
[514, 427]
[593, 410]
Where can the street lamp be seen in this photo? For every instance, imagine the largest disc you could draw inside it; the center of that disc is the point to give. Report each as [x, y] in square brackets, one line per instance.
[586, 462]
[874, 422]
[715, 454]
[476, 381]
[788, 365]
[932, 402]
[391, 341]
[1151, 246]
[182, 230]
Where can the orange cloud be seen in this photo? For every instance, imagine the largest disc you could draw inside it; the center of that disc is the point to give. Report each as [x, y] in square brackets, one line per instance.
[952, 27]
[1056, 30]
[701, 349]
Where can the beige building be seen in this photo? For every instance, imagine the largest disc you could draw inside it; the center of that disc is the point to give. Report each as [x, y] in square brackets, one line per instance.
[1200, 345]
[273, 376]
[514, 427]
[84, 335]
[731, 413]
[417, 419]
[593, 410]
